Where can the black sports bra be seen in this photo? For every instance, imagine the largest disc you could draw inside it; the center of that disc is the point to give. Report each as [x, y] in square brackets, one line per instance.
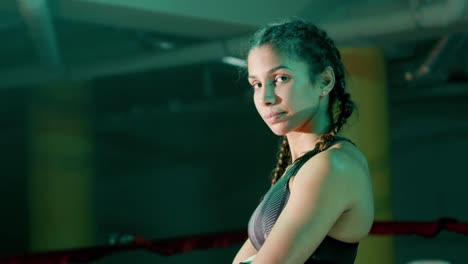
[330, 250]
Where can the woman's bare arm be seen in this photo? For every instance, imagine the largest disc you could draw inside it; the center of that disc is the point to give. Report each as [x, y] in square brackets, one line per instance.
[321, 192]
[246, 251]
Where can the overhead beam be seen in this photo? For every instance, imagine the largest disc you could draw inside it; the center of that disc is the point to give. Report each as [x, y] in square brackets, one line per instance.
[208, 18]
[37, 17]
[159, 16]
[361, 28]
[213, 51]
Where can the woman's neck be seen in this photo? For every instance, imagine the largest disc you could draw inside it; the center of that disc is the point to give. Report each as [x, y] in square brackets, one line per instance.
[300, 142]
[304, 140]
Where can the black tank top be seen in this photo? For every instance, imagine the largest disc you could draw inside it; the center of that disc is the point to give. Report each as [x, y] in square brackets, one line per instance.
[330, 250]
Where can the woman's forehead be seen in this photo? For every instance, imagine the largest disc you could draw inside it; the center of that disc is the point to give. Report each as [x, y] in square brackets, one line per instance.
[266, 52]
[263, 59]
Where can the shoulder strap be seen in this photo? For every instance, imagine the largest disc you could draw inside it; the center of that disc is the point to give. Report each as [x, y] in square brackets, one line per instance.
[294, 168]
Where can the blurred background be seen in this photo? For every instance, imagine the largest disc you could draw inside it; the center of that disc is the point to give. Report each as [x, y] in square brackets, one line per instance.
[133, 117]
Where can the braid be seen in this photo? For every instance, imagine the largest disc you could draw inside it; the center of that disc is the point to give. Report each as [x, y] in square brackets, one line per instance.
[284, 159]
[325, 141]
[340, 106]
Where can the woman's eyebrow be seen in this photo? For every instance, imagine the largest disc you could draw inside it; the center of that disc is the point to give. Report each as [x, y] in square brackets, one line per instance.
[272, 70]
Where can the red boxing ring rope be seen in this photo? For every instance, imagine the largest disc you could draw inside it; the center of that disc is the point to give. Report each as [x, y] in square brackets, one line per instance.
[185, 244]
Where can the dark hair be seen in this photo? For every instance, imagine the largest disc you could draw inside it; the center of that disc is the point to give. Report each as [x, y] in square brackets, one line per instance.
[303, 41]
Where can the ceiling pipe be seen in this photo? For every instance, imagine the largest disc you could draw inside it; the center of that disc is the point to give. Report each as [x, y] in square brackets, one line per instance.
[437, 15]
[37, 17]
[417, 17]
[442, 58]
[428, 63]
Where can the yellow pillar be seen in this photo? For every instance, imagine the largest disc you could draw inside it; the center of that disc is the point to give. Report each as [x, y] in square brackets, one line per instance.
[61, 172]
[369, 129]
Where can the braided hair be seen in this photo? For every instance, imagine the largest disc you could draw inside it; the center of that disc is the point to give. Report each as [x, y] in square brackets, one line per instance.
[303, 41]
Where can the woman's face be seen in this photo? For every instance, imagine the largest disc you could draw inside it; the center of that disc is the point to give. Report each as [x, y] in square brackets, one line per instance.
[284, 95]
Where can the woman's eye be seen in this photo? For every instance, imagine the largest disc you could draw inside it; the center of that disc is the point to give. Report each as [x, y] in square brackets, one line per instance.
[282, 78]
[256, 85]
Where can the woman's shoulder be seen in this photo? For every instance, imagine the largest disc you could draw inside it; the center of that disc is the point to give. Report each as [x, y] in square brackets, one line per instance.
[343, 164]
[342, 174]
[345, 155]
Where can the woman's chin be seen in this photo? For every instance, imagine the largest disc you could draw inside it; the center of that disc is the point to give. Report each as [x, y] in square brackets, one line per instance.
[278, 130]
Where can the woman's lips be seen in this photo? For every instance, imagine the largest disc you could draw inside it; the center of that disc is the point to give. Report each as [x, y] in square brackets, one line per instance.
[273, 117]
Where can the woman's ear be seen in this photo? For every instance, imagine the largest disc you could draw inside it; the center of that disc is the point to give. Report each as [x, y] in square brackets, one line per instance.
[327, 80]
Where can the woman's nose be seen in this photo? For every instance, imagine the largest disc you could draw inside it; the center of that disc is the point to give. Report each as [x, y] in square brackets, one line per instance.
[269, 96]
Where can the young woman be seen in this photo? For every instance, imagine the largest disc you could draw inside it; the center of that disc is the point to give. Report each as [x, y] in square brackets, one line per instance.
[320, 204]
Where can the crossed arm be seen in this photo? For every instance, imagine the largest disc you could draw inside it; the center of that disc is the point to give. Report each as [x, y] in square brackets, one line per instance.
[246, 251]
